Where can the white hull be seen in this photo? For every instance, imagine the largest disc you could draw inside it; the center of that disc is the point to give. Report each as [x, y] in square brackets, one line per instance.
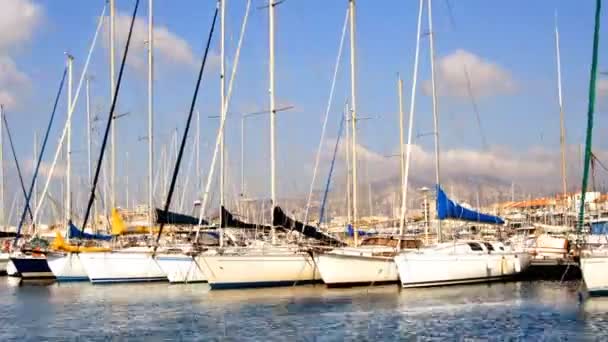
[11, 270]
[253, 269]
[67, 267]
[338, 269]
[594, 274]
[4, 260]
[121, 267]
[181, 268]
[442, 267]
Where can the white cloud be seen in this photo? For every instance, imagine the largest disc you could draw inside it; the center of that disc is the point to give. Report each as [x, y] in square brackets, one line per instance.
[487, 78]
[537, 169]
[169, 48]
[18, 19]
[12, 82]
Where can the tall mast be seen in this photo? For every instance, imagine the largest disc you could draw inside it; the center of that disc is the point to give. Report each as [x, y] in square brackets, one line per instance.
[89, 131]
[222, 106]
[273, 195]
[353, 95]
[562, 127]
[68, 180]
[348, 178]
[112, 85]
[34, 158]
[150, 112]
[435, 113]
[410, 129]
[401, 138]
[2, 213]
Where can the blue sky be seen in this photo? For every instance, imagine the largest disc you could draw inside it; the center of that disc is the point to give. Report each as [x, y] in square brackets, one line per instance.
[510, 45]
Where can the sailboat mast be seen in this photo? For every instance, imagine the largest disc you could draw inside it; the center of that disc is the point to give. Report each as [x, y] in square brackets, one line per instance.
[401, 138]
[89, 131]
[68, 180]
[222, 107]
[2, 213]
[150, 113]
[435, 113]
[34, 157]
[112, 85]
[273, 113]
[348, 180]
[562, 127]
[353, 95]
[410, 128]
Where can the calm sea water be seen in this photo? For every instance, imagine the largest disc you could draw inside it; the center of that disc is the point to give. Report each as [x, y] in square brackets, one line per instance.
[536, 311]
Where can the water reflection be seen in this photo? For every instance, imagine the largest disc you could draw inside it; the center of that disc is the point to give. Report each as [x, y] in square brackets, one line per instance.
[524, 310]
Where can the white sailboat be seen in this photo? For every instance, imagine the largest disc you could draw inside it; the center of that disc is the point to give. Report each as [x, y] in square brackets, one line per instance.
[460, 262]
[66, 265]
[134, 264]
[269, 265]
[371, 261]
[456, 262]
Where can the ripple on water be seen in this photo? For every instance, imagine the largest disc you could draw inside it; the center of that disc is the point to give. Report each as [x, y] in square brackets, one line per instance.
[139, 312]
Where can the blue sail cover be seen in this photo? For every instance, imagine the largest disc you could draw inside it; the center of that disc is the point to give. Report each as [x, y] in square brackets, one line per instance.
[75, 233]
[448, 209]
[351, 232]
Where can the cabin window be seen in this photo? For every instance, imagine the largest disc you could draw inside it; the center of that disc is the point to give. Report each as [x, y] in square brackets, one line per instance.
[475, 247]
[489, 246]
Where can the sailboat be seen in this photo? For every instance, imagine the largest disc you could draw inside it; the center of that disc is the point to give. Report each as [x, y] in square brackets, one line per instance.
[456, 262]
[460, 262]
[372, 260]
[262, 263]
[593, 261]
[31, 262]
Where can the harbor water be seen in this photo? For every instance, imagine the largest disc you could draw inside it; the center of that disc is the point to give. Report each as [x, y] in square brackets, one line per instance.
[538, 311]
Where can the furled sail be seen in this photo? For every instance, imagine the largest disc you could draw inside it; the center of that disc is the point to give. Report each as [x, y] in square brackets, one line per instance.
[448, 209]
[75, 233]
[280, 219]
[229, 221]
[176, 219]
[59, 244]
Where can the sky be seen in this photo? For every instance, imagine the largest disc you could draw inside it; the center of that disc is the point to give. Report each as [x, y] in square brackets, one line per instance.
[506, 48]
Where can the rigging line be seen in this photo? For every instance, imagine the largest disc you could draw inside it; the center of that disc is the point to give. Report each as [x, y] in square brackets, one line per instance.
[331, 170]
[185, 135]
[475, 107]
[450, 13]
[327, 110]
[110, 118]
[46, 136]
[602, 165]
[70, 113]
[223, 116]
[10, 140]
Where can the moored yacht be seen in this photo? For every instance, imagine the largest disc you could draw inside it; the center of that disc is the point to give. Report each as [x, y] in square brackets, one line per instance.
[371, 263]
[134, 264]
[460, 262]
[245, 267]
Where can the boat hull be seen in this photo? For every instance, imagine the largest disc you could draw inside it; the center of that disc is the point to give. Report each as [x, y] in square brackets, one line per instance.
[121, 267]
[67, 267]
[181, 268]
[424, 270]
[350, 270]
[259, 270]
[4, 260]
[11, 270]
[32, 267]
[595, 275]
